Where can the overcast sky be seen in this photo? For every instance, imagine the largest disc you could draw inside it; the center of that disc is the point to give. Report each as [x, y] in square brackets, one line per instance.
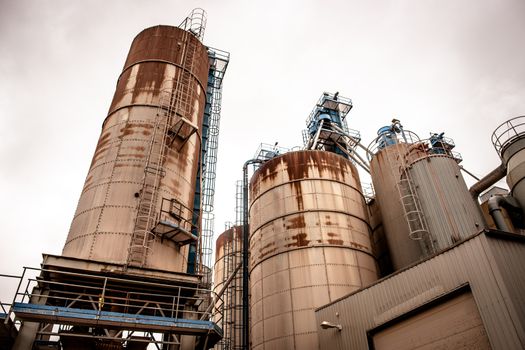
[443, 65]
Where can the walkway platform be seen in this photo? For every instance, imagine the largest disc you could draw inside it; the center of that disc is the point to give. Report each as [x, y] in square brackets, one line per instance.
[116, 320]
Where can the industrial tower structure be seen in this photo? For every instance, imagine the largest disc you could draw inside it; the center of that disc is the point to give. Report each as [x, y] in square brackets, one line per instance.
[136, 266]
[416, 264]
[312, 262]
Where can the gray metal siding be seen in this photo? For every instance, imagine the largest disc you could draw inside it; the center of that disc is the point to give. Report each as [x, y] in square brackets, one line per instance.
[469, 262]
[509, 258]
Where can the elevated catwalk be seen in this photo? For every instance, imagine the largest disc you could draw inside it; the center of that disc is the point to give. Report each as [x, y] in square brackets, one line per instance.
[112, 303]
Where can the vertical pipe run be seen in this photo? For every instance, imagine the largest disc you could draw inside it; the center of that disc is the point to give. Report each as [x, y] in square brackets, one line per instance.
[245, 248]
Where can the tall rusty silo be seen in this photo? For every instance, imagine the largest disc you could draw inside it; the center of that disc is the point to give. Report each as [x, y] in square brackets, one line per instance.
[137, 202]
[228, 249]
[309, 244]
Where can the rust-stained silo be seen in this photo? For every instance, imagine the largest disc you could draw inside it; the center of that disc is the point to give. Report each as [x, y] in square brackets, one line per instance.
[228, 249]
[309, 244]
[142, 178]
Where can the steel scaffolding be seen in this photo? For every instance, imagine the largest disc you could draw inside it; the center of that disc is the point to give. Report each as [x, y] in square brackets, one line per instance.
[231, 309]
[78, 307]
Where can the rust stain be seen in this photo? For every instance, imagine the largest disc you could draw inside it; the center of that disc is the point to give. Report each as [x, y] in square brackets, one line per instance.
[300, 240]
[333, 238]
[268, 245]
[227, 236]
[328, 222]
[270, 172]
[88, 182]
[99, 153]
[297, 222]
[130, 128]
[359, 246]
[296, 186]
[101, 147]
[298, 165]
[262, 255]
[335, 241]
[104, 139]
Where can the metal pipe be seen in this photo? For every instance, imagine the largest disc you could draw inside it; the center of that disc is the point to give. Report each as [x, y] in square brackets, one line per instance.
[488, 180]
[341, 131]
[469, 173]
[245, 245]
[314, 143]
[355, 157]
[221, 292]
[495, 206]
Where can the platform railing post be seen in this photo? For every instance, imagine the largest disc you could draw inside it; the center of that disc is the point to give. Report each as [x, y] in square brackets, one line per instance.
[14, 297]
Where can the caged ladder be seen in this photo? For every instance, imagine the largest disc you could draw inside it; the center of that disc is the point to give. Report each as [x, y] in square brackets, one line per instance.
[169, 124]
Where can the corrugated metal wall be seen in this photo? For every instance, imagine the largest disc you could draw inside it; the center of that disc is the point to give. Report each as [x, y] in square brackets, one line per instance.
[452, 324]
[491, 266]
[509, 259]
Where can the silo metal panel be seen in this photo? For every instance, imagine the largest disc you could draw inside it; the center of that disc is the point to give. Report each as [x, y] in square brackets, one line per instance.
[308, 230]
[103, 223]
[450, 211]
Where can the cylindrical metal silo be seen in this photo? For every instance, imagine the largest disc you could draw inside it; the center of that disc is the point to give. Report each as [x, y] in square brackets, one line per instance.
[228, 249]
[424, 201]
[387, 169]
[450, 212]
[509, 141]
[309, 244]
[147, 157]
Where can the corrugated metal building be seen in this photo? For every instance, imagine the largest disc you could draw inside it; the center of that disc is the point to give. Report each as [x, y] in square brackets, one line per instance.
[469, 296]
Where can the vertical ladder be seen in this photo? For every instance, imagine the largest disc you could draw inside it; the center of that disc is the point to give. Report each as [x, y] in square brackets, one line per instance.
[410, 203]
[173, 102]
[153, 172]
[227, 315]
[183, 85]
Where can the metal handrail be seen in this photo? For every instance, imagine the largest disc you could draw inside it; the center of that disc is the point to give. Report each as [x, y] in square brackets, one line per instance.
[406, 137]
[101, 293]
[507, 132]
